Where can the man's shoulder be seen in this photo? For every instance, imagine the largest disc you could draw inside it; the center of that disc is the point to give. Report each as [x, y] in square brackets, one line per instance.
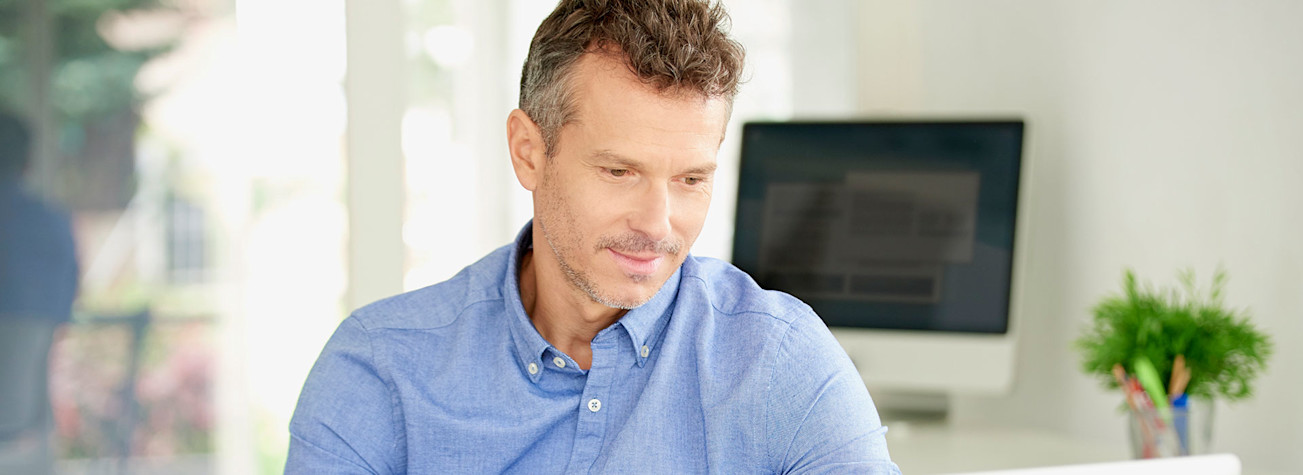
[439, 305]
[732, 291]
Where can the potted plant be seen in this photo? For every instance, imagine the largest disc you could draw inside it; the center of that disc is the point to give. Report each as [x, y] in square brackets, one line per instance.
[1179, 341]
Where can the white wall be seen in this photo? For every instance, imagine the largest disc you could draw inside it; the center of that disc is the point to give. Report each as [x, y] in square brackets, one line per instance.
[1162, 135]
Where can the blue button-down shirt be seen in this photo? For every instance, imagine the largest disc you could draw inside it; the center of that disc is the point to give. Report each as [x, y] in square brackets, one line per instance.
[713, 374]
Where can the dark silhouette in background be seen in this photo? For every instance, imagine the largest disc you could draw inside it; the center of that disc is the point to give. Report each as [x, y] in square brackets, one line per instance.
[38, 281]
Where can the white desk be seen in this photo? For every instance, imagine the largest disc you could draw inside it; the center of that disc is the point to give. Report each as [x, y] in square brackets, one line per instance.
[935, 448]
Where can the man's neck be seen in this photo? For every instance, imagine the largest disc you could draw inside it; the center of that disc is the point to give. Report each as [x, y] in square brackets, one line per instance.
[565, 316]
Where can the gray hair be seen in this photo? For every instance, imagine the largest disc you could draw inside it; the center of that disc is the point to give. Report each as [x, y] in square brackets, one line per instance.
[679, 46]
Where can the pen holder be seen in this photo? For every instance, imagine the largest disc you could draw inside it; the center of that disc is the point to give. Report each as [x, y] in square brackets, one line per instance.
[1188, 433]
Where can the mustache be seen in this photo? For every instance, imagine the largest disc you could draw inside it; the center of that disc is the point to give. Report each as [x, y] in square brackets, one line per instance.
[637, 243]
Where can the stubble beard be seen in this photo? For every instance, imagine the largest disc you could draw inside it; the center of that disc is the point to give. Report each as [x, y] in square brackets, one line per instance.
[557, 206]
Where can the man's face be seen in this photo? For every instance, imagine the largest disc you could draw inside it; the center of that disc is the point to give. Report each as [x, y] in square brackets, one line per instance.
[625, 193]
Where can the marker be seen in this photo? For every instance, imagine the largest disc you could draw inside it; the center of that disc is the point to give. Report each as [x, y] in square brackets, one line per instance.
[1153, 384]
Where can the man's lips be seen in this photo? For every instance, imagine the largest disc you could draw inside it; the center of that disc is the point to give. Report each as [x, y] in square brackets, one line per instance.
[637, 264]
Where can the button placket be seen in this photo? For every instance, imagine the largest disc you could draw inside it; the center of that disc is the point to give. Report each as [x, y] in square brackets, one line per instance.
[592, 408]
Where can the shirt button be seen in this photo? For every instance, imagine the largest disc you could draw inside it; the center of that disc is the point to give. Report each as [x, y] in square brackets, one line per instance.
[594, 405]
[533, 368]
[645, 351]
[560, 363]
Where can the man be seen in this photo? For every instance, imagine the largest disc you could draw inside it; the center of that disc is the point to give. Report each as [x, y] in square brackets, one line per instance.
[38, 282]
[595, 343]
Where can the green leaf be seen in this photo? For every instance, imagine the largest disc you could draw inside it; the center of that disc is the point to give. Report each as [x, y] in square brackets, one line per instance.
[1223, 350]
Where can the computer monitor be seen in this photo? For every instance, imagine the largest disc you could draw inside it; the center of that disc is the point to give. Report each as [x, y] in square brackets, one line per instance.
[900, 235]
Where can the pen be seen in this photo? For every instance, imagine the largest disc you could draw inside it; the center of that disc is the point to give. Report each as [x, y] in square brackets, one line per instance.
[1182, 423]
[1180, 379]
[1180, 402]
[1178, 367]
[1138, 411]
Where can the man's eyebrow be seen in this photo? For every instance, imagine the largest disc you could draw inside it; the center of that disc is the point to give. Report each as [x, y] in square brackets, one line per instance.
[615, 160]
[701, 170]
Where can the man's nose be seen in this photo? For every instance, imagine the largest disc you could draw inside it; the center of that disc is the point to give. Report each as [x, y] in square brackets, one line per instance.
[651, 215]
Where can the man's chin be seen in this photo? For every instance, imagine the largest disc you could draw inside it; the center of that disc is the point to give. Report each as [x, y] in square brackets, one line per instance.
[616, 303]
[631, 298]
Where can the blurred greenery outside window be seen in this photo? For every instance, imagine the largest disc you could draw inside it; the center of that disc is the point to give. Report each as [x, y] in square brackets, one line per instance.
[138, 108]
[70, 68]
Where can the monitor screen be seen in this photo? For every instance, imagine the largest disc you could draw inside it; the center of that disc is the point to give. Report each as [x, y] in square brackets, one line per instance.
[886, 224]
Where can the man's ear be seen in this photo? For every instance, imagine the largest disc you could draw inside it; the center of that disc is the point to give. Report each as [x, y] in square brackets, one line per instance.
[528, 152]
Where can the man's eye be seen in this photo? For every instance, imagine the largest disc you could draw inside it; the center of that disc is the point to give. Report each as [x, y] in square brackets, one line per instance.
[692, 180]
[617, 171]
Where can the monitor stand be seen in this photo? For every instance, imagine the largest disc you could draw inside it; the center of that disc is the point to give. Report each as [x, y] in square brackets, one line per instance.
[900, 408]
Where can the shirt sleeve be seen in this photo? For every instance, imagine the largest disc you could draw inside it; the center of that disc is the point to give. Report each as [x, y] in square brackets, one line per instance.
[346, 420]
[820, 413]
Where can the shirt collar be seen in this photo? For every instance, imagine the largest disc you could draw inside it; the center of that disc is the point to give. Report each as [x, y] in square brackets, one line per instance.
[530, 345]
[643, 324]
